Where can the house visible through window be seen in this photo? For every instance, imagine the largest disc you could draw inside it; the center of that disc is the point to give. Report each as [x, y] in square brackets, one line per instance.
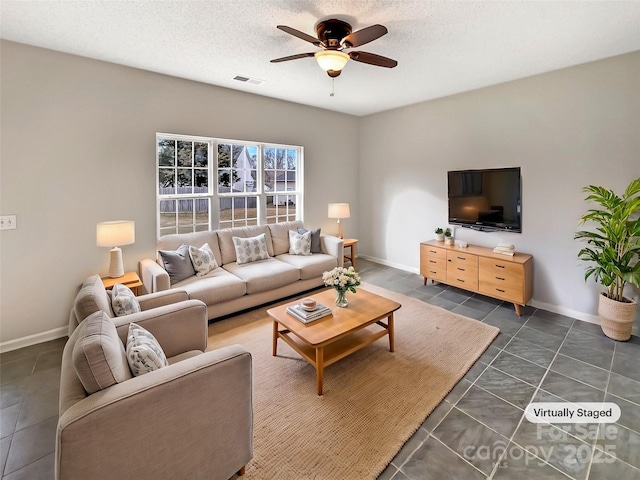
[256, 183]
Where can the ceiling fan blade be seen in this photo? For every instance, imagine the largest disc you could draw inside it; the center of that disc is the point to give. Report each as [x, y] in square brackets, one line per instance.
[365, 35]
[373, 59]
[299, 34]
[292, 57]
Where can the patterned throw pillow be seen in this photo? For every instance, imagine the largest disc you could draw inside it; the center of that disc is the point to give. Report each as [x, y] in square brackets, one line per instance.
[177, 263]
[251, 249]
[299, 243]
[144, 353]
[202, 259]
[123, 301]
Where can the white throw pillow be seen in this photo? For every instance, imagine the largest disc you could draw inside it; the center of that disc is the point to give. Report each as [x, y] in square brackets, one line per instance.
[251, 249]
[123, 301]
[299, 243]
[202, 259]
[144, 353]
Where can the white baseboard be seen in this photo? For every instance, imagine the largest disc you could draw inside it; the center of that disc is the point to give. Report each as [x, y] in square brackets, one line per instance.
[586, 317]
[390, 264]
[33, 339]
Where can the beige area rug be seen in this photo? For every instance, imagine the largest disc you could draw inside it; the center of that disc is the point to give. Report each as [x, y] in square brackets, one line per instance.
[373, 401]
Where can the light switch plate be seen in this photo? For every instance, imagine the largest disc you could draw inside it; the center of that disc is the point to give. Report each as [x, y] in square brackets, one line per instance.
[7, 222]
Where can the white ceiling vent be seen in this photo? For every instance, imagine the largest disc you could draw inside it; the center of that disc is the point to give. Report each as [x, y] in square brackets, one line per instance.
[252, 81]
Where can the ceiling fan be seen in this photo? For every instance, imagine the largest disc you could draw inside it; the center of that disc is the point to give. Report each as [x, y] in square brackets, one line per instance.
[335, 36]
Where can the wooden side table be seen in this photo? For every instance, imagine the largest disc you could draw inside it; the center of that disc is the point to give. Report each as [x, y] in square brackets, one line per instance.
[129, 279]
[350, 243]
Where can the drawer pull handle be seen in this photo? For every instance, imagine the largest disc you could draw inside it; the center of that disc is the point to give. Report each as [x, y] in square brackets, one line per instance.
[460, 280]
[432, 261]
[499, 278]
[461, 258]
[500, 290]
[461, 269]
[500, 266]
[432, 271]
[433, 251]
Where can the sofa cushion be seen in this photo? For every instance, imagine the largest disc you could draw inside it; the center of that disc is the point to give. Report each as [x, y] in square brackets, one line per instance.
[310, 266]
[196, 239]
[251, 249]
[280, 235]
[264, 274]
[215, 287]
[177, 263]
[299, 243]
[92, 298]
[98, 355]
[316, 246]
[202, 259]
[123, 300]
[144, 353]
[227, 247]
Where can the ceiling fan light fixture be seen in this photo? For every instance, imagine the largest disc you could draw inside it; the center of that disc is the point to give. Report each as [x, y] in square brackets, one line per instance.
[331, 60]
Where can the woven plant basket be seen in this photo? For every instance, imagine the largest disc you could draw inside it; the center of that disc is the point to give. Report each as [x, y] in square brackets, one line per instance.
[616, 317]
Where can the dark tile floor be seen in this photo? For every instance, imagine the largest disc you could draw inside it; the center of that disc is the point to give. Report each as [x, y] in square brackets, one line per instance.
[478, 431]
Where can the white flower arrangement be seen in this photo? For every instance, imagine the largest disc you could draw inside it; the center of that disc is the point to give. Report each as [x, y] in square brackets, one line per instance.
[342, 279]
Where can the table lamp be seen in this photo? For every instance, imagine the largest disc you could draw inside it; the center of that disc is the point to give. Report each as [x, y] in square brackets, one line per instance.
[339, 211]
[113, 235]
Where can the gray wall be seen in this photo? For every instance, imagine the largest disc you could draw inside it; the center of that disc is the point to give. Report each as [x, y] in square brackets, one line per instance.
[78, 147]
[566, 129]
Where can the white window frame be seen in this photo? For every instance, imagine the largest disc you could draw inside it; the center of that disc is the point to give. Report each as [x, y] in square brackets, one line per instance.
[214, 196]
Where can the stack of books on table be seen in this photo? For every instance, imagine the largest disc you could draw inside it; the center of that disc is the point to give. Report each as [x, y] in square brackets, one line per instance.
[504, 249]
[307, 316]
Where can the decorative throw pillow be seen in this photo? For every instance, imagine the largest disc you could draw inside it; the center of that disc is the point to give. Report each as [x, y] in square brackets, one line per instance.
[251, 249]
[98, 354]
[178, 263]
[315, 239]
[299, 243]
[123, 301]
[202, 259]
[144, 353]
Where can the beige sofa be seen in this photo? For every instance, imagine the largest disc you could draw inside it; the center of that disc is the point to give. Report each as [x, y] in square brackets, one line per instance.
[232, 287]
[191, 419]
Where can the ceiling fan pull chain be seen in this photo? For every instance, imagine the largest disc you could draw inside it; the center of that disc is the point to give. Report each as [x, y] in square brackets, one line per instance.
[333, 87]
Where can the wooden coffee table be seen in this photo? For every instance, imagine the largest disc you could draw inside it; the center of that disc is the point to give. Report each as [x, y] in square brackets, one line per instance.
[332, 338]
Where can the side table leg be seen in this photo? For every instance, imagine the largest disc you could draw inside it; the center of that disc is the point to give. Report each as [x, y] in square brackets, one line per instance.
[275, 338]
[319, 367]
[391, 333]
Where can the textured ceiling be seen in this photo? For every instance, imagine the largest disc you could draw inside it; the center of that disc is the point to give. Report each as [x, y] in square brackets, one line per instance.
[442, 47]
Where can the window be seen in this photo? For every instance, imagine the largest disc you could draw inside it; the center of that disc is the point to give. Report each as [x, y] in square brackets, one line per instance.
[256, 183]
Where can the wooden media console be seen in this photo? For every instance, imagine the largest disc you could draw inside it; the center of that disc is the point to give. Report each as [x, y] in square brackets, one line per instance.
[479, 270]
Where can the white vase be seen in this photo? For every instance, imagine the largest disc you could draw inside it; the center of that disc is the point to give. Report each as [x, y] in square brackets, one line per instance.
[439, 237]
[448, 241]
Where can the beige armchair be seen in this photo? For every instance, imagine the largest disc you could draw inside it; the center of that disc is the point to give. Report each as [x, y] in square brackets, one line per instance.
[192, 419]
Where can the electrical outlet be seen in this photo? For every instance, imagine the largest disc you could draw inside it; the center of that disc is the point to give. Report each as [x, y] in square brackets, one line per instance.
[7, 222]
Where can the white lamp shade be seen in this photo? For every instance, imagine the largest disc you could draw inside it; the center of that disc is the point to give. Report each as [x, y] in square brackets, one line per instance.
[331, 60]
[339, 210]
[115, 234]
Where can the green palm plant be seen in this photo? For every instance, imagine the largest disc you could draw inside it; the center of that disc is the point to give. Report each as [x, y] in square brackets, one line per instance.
[613, 248]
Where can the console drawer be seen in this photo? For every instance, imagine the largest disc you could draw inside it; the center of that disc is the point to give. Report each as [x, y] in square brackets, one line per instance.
[499, 272]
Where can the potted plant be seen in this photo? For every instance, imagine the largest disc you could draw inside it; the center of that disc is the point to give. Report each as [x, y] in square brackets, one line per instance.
[448, 240]
[439, 234]
[612, 253]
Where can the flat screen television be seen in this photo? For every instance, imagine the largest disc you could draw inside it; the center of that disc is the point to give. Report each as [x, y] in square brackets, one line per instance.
[486, 200]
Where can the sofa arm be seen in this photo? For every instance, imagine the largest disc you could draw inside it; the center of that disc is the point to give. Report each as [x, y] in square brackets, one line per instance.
[160, 299]
[154, 277]
[333, 246]
[179, 327]
[192, 419]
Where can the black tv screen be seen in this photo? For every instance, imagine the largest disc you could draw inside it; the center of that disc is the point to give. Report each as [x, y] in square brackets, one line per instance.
[486, 200]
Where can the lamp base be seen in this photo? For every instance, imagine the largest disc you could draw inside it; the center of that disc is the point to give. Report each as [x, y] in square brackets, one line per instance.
[340, 229]
[116, 269]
